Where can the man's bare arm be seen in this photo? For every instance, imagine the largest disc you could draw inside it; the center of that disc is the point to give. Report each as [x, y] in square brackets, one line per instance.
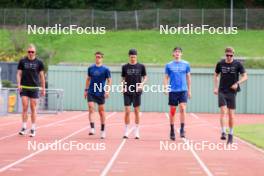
[42, 82]
[189, 84]
[216, 81]
[108, 85]
[87, 84]
[165, 83]
[244, 77]
[18, 77]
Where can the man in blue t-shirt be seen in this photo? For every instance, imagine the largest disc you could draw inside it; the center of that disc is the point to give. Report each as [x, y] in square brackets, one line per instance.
[96, 90]
[178, 81]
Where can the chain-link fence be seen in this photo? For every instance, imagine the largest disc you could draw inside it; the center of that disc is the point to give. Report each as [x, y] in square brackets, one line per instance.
[139, 19]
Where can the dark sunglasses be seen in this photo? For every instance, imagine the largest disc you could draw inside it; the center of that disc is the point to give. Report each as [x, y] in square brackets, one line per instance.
[99, 57]
[229, 55]
[31, 51]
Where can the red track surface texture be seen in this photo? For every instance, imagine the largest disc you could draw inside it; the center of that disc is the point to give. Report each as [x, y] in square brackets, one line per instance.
[125, 157]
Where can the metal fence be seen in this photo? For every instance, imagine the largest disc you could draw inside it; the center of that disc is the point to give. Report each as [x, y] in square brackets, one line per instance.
[51, 103]
[8, 71]
[139, 19]
[72, 80]
[3, 102]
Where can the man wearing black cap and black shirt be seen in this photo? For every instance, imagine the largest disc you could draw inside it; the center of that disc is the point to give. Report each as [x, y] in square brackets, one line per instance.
[133, 79]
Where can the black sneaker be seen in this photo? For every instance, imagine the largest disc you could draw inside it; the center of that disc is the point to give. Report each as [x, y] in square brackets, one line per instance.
[172, 136]
[182, 133]
[125, 137]
[32, 133]
[23, 131]
[230, 139]
[223, 136]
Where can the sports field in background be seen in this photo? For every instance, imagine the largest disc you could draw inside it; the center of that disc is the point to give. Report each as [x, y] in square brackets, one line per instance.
[154, 48]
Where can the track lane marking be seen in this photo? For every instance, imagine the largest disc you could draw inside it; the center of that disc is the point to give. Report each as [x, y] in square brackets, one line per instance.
[115, 155]
[196, 156]
[11, 123]
[2, 169]
[239, 139]
[47, 125]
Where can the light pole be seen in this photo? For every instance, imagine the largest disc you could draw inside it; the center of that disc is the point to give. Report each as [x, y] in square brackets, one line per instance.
[231, 13]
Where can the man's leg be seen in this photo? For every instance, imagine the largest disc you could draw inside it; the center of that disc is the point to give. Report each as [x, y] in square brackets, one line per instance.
[182, 108]
[222, 122]
[101, 111]
[127, 120]
[172, 122]
[137, 119]
[33, 108]
[231, 116]
[24, 115]
[90, 116]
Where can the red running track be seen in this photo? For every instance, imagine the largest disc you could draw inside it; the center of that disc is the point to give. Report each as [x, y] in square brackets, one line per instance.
[116, 156]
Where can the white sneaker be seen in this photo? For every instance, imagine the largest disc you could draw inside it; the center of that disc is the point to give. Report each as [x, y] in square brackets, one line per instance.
[32, 133]
[126, 134]
[137, 136]
[22, 132]
[103, 134]
[92, 131]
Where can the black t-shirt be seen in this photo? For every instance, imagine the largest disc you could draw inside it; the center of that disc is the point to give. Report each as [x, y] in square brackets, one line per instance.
[133, 74]
[30, 71]
[229, 74]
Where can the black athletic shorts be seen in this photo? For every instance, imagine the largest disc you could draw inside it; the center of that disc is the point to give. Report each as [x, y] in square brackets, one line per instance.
[134, 99]
[30, 93]
[176, 98]
[227, 99]
[97, 99]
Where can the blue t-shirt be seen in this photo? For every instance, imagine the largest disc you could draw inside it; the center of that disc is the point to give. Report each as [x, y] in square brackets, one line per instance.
[177, 72]
[98, 77]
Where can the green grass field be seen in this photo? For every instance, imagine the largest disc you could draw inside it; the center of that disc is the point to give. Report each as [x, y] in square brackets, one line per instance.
[153, 48]
[253, 133]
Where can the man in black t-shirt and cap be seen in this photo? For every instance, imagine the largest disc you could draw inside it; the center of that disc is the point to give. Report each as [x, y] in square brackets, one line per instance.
[133, 80]
[30, 75]
[229, 69]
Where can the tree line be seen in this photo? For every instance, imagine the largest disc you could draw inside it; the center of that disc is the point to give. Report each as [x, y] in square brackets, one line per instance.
[128, 4]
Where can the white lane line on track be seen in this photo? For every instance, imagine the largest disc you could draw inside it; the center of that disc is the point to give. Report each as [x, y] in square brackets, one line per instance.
[113, 158]
[47, 125]
[11, 123]
[196, 156]
[239, 139]
[2, 169]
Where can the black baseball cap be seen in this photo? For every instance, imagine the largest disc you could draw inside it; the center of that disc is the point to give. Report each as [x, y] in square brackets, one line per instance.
[132, 52]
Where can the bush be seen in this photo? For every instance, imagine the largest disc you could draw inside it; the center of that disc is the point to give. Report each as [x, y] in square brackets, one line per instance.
[7, 84]
[254, 63]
